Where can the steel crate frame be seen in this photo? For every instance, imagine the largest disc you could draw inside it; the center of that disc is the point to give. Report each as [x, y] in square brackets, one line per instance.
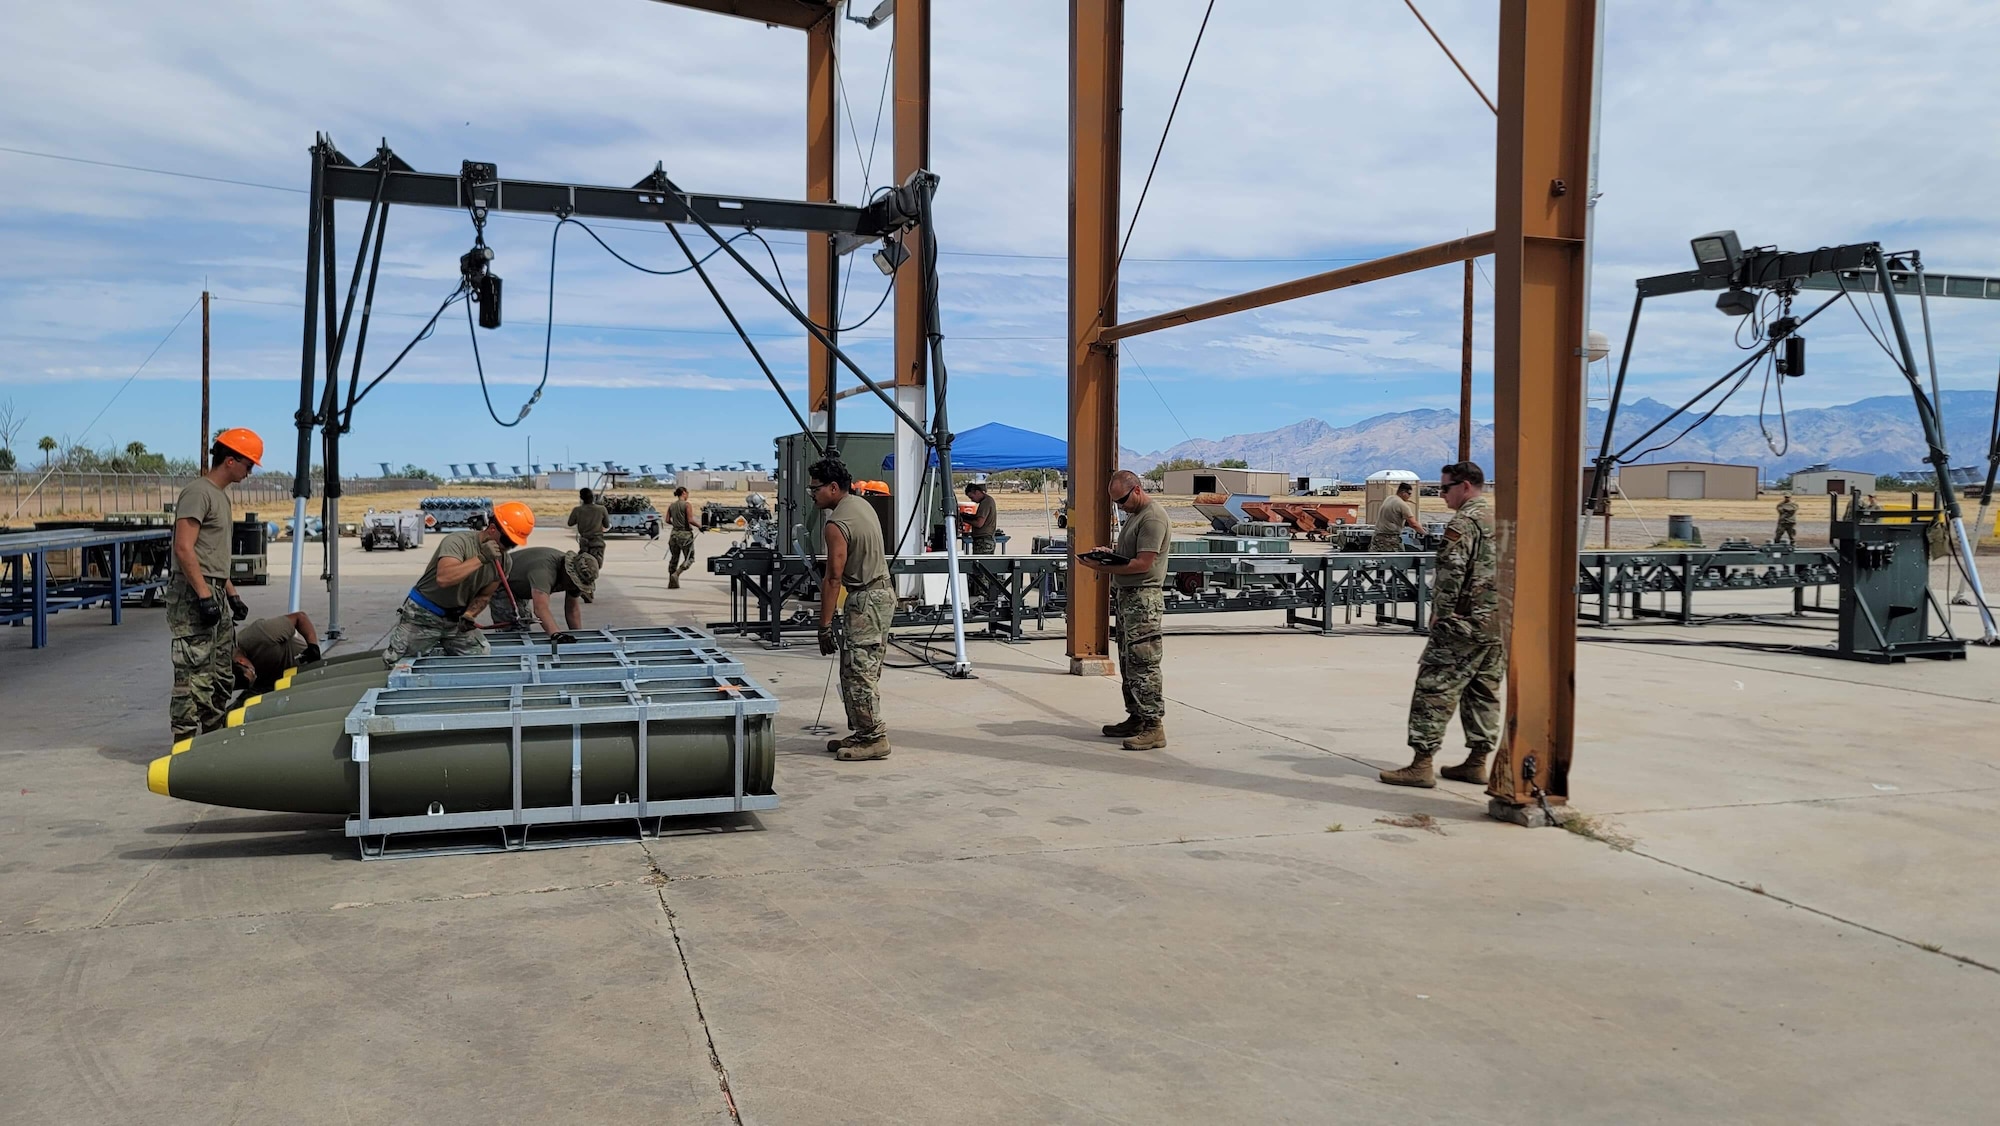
[640, 706]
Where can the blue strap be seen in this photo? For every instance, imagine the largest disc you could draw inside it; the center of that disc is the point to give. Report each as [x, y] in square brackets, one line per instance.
[434, 607]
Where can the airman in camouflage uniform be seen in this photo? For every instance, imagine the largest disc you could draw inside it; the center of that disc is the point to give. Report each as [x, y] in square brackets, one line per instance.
[1788, 521]
[1138, 595]
[1466, 655]
[857, 564]
[680, 537]
[202, 604]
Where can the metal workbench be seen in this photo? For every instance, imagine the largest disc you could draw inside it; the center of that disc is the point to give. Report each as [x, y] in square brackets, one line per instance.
[28, 594]
[771, 595]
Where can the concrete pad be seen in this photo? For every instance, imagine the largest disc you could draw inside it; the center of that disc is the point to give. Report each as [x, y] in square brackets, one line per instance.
[565, 1006]
[1924, 867]
[1353, 977]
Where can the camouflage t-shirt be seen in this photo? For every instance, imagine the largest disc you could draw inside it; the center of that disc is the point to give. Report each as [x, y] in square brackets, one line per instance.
[1466, 596]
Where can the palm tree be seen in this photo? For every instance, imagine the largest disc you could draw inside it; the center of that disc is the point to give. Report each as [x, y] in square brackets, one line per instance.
[135, 450]
[47, 445]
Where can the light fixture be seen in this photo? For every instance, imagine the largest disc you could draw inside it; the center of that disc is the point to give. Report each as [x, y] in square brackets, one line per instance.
[1716, 255]
[876, 18]
[891, 256]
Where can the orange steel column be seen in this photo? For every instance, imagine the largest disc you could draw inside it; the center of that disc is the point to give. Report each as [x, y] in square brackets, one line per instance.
[822, 131]
[1543, 159]
[1096, 87]
[912, 151]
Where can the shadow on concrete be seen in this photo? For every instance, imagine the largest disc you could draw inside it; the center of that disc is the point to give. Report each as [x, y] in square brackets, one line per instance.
[1444, 805]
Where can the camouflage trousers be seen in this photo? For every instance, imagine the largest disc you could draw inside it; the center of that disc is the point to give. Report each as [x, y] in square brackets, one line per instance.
[204, 661]
[981, 587]
[593, 548]
[1141, 644]
[680, 552]
[1788, 532]
[868, 615]
[1386, 542]
[1457, 674]
[419, 632]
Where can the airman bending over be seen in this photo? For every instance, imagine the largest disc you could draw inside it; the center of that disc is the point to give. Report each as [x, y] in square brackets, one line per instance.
[442, 610]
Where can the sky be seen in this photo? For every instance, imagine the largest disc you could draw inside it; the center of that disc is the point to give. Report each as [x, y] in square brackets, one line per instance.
[1308, 136]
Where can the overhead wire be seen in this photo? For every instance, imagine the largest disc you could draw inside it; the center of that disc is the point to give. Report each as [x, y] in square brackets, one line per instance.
[1411, 4]
[1160, 148]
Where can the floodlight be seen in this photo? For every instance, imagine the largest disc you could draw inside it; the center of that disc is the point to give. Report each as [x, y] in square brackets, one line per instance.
[891, 256]
[1716, 255]
[876, 18]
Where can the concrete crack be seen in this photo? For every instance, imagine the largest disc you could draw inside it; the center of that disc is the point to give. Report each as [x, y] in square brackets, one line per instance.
[1758, 890]
[700, 1014]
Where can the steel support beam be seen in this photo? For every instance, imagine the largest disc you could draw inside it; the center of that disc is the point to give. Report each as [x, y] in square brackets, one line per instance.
[1408, 262]
[1096, 91]
[911, 123]
[800, 14]
[1465, 372]
[1540, 250]
[822, 156]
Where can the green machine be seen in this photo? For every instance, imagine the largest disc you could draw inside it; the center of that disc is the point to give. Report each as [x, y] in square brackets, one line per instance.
[799, 520]
[1886, 604]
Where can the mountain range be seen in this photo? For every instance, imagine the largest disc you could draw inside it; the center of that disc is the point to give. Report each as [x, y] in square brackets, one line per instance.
[1875, 435]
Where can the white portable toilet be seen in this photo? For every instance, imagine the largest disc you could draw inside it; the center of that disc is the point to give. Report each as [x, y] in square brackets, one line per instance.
[1381, 485]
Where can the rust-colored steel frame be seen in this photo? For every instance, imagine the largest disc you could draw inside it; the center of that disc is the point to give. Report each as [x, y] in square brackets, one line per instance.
[1096, 86]
[1539, 243]
[820, 20]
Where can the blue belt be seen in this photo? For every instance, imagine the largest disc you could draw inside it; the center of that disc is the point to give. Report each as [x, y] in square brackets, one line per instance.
[448, 615]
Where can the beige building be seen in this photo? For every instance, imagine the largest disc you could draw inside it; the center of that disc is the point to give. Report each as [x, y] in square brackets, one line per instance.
[1257, 482]
[1688, 480]
[1819, 480]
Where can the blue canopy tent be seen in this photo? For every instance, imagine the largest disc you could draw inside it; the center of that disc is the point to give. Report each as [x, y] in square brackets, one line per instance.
[996, 446]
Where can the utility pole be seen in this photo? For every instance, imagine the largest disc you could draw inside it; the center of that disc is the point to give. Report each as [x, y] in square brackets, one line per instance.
[1465, 374]
[201, 456]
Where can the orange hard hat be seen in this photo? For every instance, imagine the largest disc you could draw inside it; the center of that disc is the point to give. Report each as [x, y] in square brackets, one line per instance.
[515, 519]
[246, 442]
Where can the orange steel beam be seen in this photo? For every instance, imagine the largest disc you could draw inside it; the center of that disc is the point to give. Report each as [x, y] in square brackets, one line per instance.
[800, 14]
[822, 153]
[1539, 277]
[1465, 373]
[1408, 262]
[1096, 88]
[913, 151]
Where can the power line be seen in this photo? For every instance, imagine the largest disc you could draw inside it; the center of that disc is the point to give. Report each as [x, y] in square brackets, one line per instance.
[153, 171]
[1162, 146]
[1411, 4]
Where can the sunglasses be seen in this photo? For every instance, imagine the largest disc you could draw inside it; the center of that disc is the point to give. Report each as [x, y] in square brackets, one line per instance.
[1121, 500]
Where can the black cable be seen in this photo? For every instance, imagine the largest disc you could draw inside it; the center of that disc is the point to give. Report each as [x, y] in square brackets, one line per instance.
[1879, 343]
[1740, 380]
[422, 335]
[1162, 146]
[548, 341]
[635, 265]
[780, 271]
[1784, 423]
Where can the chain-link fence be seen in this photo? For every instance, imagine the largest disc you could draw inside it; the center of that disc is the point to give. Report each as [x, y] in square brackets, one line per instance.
[68, 494]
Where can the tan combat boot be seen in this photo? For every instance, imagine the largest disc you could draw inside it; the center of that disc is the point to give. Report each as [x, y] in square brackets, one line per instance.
[1472, 770]
[674, 581]
[859, 751]
[1130, 726]
[1151, 735]
[1418, 773]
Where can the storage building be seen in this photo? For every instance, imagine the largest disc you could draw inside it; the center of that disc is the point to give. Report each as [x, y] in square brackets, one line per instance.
[1688, 480]
[1256, 482]
[1818, 480]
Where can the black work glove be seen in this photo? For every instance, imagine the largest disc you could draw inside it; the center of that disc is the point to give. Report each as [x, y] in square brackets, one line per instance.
[312, 654]
[208, 612]
[467, 625]
[238, 609]
[562, 639]
[828, 643]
